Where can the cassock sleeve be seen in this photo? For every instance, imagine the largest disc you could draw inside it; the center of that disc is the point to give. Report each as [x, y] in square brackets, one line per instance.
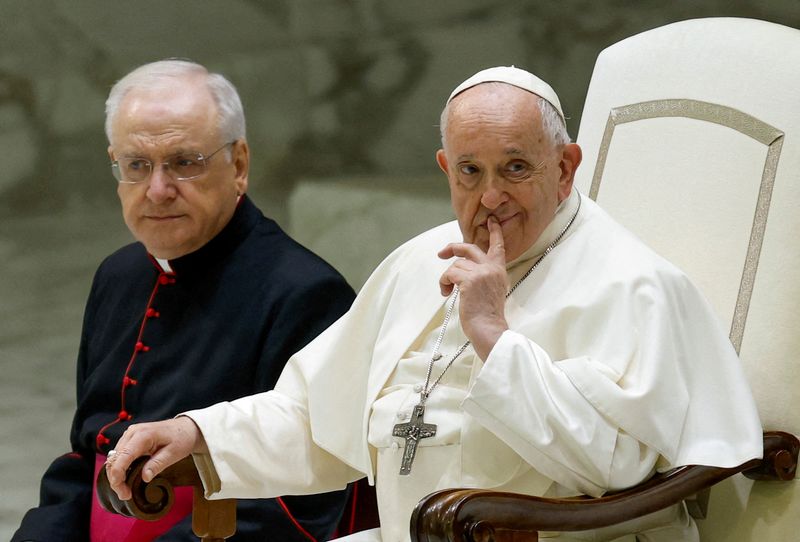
[653, 382]
[262, 446]
[531, 404]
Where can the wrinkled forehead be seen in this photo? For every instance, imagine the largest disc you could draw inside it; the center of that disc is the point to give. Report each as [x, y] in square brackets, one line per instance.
[177, 95]
[153, 110]
[493, 104]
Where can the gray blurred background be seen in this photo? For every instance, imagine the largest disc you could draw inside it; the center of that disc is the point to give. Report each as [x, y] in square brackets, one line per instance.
[342, 99]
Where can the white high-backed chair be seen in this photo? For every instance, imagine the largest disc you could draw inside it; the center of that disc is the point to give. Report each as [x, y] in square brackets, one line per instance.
[691, 139]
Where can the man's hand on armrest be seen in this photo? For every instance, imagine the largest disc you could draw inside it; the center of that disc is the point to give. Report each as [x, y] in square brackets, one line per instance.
[165, 442]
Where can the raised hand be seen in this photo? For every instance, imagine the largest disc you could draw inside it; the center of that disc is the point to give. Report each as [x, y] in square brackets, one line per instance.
[165, 442]
[483, 283]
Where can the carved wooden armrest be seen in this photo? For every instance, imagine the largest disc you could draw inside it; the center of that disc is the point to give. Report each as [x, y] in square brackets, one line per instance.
[474, 515]
[212, 521]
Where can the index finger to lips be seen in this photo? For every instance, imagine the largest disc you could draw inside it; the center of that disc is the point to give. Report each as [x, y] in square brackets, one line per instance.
[497, 249]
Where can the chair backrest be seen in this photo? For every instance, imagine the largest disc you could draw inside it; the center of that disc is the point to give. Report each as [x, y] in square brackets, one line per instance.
[691, 138]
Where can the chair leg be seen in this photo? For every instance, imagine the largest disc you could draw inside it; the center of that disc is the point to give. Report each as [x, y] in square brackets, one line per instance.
[213, 521]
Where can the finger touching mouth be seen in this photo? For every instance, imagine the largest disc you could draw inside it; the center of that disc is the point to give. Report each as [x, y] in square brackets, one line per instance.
[502, 221]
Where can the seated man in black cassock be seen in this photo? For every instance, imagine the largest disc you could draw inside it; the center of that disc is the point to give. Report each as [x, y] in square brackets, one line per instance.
[207, 306]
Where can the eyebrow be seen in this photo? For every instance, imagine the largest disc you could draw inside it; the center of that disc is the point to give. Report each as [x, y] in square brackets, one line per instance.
[513, 151]
[179, 150]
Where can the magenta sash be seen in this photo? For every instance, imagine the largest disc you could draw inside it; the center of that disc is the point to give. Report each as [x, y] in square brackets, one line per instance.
[108, 527]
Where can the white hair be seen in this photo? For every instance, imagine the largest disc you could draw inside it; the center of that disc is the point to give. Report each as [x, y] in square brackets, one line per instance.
[230, 114]
[552, 124]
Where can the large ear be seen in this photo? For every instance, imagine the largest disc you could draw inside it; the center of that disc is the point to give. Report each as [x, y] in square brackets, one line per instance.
[571, 156]
[441, 159]
[240, 156]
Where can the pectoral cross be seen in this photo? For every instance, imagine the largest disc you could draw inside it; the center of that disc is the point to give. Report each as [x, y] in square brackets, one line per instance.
[413, 431]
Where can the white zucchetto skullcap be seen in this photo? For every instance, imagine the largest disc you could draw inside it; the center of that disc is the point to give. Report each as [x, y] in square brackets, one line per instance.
[512, 76]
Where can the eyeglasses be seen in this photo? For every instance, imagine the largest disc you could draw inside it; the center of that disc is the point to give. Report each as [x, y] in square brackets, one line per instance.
[184, 166]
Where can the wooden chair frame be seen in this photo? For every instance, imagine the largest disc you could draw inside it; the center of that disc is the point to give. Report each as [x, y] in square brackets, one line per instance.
[474, 515]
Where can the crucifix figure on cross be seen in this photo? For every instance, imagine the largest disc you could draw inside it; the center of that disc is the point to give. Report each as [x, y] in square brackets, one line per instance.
[413, 431]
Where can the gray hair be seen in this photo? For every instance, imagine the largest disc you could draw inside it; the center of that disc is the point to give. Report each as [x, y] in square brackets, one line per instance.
[230, 114]
[552, 123]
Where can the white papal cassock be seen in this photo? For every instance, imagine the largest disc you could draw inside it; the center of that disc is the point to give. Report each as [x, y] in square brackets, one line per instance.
[614, 366]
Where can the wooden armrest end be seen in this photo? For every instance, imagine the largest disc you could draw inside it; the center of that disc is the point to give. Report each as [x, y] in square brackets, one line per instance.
[455, 515]
[211, 520]
[780, 458]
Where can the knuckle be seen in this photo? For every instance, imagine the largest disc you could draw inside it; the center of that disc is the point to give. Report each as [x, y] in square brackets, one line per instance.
[124, 452]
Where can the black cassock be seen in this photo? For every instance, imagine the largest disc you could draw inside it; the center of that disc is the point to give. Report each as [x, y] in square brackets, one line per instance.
[221, 325]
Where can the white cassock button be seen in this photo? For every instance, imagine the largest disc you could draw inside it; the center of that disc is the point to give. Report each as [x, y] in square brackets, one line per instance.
[401, 415]
[417, 388]
[395, 446]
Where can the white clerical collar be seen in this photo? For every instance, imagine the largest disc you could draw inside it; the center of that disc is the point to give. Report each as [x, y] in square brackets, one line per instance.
[563, 215]
[164, 264]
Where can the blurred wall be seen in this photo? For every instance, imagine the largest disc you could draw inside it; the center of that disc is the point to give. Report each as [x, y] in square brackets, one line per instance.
[342, 99]
[332, 88]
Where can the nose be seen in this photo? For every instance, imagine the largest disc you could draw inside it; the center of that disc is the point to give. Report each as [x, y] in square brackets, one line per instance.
[494, 194]
[161, 187]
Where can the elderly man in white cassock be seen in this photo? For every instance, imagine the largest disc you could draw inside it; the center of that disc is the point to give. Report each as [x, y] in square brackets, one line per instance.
[534, 345]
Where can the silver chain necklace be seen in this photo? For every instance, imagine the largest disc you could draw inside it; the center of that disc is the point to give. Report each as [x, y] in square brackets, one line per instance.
[416, 429]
